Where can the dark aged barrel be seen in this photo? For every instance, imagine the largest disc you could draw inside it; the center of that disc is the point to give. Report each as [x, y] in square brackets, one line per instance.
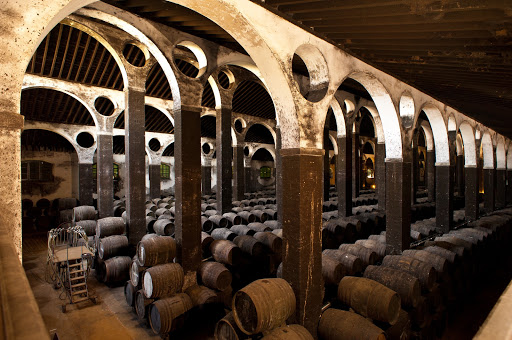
[226, 252]
[273, 224]
[164, 227]
[401, 329]
[219, 221]
[84, 212]
[169, 314]
[257, 226]
[368, 256]
[425, 272]
[109, 226]
[129, 293]
[156, 250]
[439, 263]
[150, 221]
[201, 295]
[233, 218]
[227, 329]
[223, 234]
[206, 224]
[135, 272]
[406, 285]
[272, 241]
[450, 256]
[112, 246]
[352, 263]
[142, 304]
[263, 305]
[241, 229]
[225, 297]
[456, 241]
[419, 315]
[271, 213]
[377, 247]
[89, 226]
[369, 298]
[163, 280]
[247, 216]
[116, 269]
[206, 241]
[214, 275]
[332, 270]
[338, 324]
[119, 210]
[249, 245]
[291, 332]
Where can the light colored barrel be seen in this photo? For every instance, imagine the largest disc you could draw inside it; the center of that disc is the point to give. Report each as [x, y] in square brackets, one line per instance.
[241, 229]
[258, 227]
[338, 324]
[135, 273]
[215, 275]
[163, 280]
[169, 314]
[353, 264]
[369, 298]
[164, 227]
[226, 252]
[368, 256]
[233, 218]
[263, 305]
[156, 250]
[273, 224]
[223, 234]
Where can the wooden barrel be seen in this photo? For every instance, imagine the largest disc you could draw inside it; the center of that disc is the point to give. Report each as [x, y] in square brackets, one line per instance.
[115, 269]
[150, 221]
[236, 210]
[353, 264]
[142, 305]
[450, 256]
[206, 241]
[241, 229]
[380, 248]
[119, 210]
[205, 206]
[220, 221]
[161, 211]
[272, 241]
[278, 232]
[337, 324]
[226, 252]
[214, 275]
[136, 271]
[84, 212]
[249, 245]
[233, 218]
[227, 329]
[169, 314]
[156, 250]
[420, 315]
[401, 329]
[64, 203]
[129, 293]
[225, 297]
[164, 227]
[151, 206]
[369, 298]
[263, 305]
[368, 256]
[273, 224]
[291, 332]
[261, 215]
[258, 227]
[272, 214]
[332, 270]
[109, 226]
[112, 246]
[89, 226]
[247, 216]
[201, 295]
[206, 224]
[163, 280]
[405, 284]
[223, 234]
[439, 263]
[425, 273]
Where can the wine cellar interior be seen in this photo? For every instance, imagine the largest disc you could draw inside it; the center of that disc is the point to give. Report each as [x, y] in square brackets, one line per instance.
[256, 169]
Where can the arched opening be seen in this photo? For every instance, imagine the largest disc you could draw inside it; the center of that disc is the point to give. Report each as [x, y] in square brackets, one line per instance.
[262, 169]
[253, 99]
[258, 133]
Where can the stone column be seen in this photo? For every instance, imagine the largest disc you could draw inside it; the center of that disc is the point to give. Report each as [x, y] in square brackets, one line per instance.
[414, 170]
[380, 175]
[501, 188]
[248, 176]
[398, 205]
[471, 193]
[356, 166]
[279, 177]
[344, 176]
[187, 155]
[224, 159]
[104, 173]
[154, 180]
[238, 175]
[431, 175]
[327, 172]
[135, 175]
[302, 232]
[85, 183]
[444, 198]
[489, 194]
[460, 175]
[206, 178]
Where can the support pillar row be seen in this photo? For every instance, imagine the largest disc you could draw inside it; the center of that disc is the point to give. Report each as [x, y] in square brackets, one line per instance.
[471, 193]
[85, 184]
[104, 173]
[238, 175]
[380, 175]
[489, 195]
[431, 175]
[444, 197]
[224, 160]
[344, 176]
[206, 180]
[501, 188]
[154, 180]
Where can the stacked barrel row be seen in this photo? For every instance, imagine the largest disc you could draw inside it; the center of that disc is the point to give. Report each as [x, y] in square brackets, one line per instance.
[260, 310]
[85, 216]
[45, 215]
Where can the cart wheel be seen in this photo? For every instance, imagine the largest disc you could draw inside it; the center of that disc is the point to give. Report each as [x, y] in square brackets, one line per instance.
[63, 308]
